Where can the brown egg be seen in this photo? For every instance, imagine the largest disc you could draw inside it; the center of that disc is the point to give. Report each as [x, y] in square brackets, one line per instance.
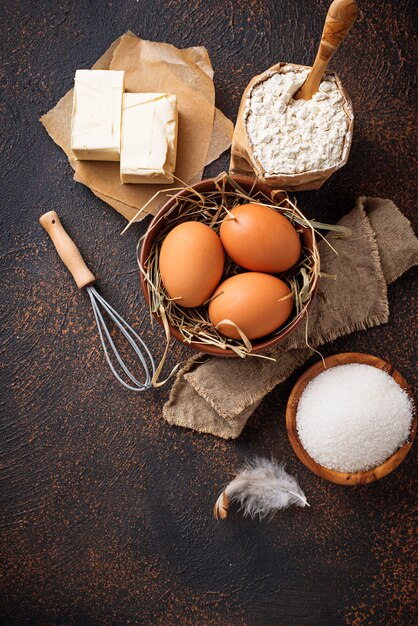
[260, 239]
[257, 303]
[191, 263]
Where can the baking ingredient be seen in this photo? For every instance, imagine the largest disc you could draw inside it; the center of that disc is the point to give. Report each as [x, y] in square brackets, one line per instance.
[294, 136]
[257, 303]
[152, 66]
[149, 138]
[261, 488]
[96, 116]
[191, 263]
[353, 417]
[210, 206]
[260, 239]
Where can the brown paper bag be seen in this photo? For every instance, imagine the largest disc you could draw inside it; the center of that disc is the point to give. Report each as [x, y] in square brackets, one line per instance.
[244, 163]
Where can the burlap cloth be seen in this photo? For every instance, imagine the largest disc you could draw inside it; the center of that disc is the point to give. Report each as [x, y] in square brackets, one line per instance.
[217, 396]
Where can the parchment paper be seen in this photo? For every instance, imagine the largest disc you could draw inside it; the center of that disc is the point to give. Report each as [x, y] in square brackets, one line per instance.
[204, 132]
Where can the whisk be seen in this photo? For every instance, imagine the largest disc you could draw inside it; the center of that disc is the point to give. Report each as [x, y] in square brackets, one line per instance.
[72, 259]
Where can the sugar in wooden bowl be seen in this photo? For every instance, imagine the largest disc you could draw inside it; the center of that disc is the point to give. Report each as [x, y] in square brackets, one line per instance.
[351, 419]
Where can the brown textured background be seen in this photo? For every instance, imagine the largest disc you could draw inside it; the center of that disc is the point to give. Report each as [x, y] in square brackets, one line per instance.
[106, 510]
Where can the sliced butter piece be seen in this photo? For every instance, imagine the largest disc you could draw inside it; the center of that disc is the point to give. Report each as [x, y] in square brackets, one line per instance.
[149, 138]
[97, 114]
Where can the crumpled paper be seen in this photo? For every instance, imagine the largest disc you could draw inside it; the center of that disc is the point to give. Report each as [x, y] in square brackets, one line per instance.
[204, 132]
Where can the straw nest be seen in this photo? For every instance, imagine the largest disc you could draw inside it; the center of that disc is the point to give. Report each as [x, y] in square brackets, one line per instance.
[212, 208]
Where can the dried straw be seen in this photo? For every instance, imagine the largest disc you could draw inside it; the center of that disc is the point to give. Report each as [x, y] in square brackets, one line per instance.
[211, 208]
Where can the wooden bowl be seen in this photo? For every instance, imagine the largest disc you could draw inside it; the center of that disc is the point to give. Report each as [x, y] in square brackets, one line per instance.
[158, 223]
[341, 478]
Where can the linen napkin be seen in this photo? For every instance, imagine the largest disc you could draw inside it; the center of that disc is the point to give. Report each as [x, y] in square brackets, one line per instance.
[217, 396]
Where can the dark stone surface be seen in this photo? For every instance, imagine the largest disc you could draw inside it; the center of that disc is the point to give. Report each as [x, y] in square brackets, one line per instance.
[106, 510]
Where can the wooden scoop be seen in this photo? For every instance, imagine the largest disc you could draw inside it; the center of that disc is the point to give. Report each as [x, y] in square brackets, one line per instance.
[340, 18]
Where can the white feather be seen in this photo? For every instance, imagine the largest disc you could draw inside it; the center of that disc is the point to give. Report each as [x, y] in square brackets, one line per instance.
[263, 487]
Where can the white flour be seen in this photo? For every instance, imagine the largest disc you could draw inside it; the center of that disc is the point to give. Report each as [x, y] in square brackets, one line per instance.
[293, 136]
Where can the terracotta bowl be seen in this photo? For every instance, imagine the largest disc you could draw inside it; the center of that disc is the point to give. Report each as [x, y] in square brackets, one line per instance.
[158, 223]
[341, 478]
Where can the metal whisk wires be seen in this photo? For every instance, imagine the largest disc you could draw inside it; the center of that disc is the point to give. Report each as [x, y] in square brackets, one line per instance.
[138, 345]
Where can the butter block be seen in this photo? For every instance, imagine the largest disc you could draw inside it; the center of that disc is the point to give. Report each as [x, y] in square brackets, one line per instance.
[97, 114]
[149, 138]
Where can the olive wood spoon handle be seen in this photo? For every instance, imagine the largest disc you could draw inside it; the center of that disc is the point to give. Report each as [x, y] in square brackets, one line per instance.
[67, 250]
[340, 18]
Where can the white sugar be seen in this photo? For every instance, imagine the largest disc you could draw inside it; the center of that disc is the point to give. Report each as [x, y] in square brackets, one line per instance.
[353, 417]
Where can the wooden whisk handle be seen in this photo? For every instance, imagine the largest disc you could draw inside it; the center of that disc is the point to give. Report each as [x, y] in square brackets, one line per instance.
[67, 250]
[340, 18]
